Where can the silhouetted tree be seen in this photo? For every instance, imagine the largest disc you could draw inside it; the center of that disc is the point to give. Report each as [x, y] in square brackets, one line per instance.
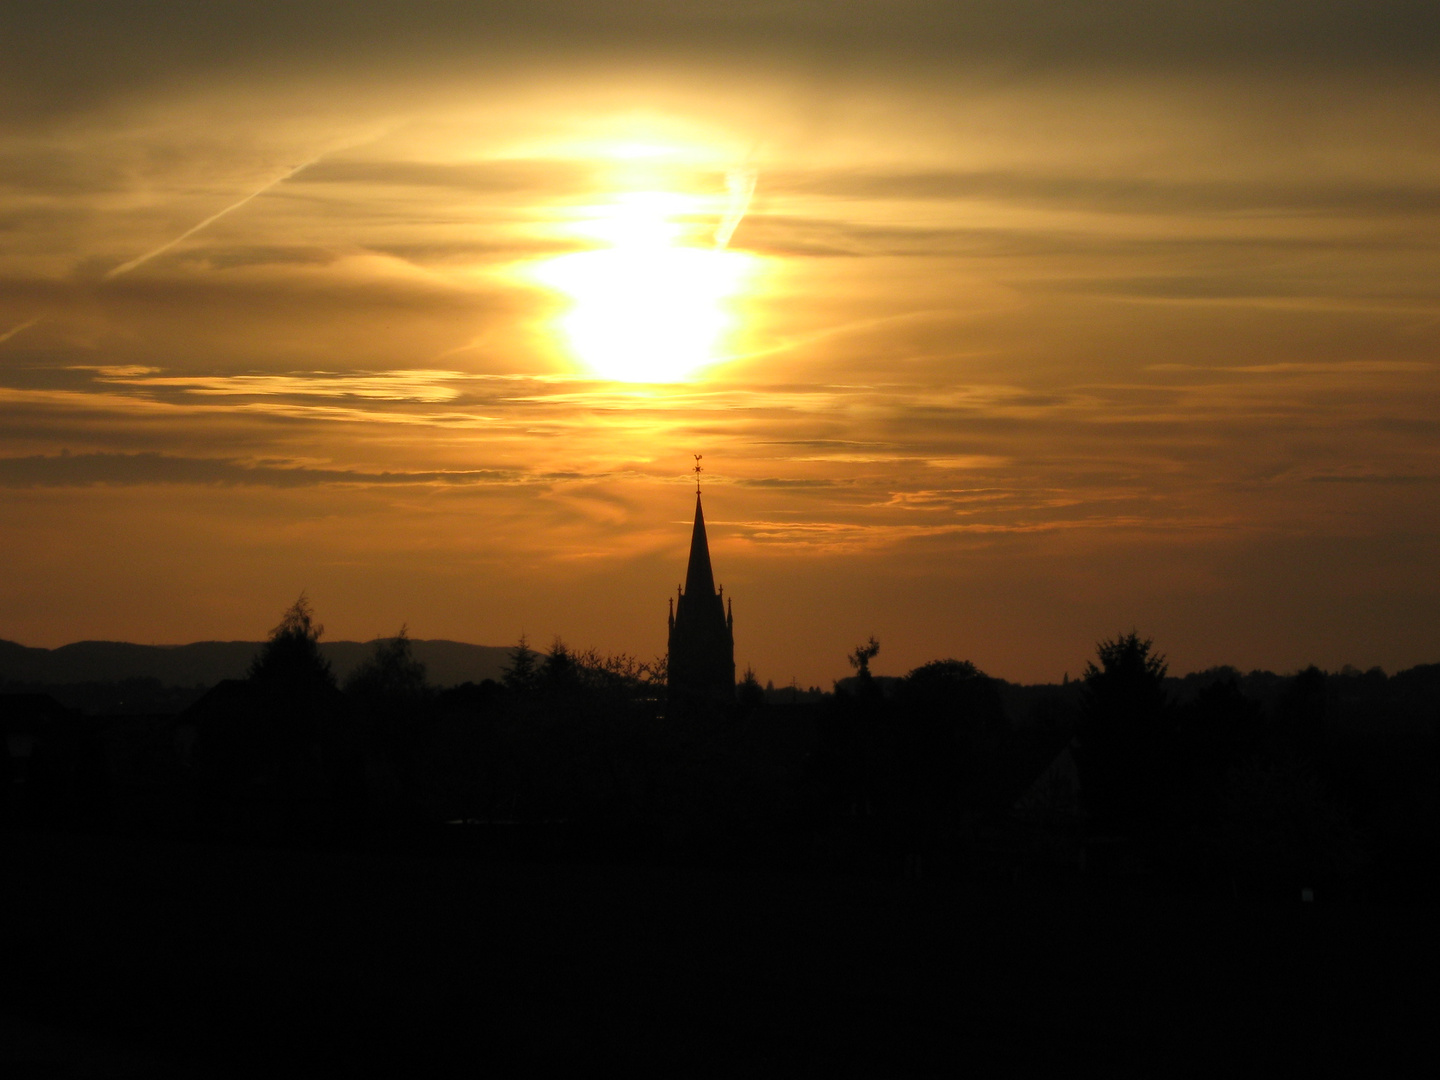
[948, 725]
[519, 674]
[956, 704]
[559, 670]
[291, 661]
[1125, 737]
[1129, 678]
[864, 691]
[861, 657]
[391, 675]
[391, 696]
[750, 694]
[278, 752]
[620, 677]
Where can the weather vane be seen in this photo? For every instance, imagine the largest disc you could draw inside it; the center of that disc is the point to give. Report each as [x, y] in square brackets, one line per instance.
[697, 470]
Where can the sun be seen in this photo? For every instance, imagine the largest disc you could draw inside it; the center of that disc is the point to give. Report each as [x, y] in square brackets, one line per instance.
[654, 302]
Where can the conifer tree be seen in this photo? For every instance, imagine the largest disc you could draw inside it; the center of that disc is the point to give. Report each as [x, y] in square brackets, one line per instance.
[520, 673]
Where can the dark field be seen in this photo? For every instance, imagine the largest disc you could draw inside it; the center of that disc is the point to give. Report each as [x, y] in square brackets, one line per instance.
[138, 957]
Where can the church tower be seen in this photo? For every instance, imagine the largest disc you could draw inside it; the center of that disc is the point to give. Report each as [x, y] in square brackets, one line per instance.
[702, 637]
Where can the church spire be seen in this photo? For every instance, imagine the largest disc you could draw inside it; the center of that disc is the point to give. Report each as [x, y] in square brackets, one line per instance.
[702, 640]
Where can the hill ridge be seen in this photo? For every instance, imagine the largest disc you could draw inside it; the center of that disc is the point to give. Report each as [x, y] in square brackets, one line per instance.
[204, 663]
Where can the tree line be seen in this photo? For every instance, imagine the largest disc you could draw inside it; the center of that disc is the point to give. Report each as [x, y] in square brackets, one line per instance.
[1313, 782]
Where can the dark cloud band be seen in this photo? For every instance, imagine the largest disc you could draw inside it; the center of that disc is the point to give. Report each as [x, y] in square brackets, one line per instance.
[83, 470]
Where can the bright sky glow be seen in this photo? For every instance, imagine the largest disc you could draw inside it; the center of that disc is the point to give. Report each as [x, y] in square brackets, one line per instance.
[657, 302]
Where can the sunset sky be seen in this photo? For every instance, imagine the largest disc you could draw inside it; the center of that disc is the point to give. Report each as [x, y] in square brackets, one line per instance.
[1001, 327]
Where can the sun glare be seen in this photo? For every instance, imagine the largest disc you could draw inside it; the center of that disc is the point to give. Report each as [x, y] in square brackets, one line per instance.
[655, 302]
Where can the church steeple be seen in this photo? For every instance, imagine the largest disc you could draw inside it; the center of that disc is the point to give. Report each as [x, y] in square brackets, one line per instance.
[702, 641]
[699, 578]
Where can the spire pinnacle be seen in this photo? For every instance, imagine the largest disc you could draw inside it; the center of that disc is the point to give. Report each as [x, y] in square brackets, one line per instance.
[699, 579]
[697, 471]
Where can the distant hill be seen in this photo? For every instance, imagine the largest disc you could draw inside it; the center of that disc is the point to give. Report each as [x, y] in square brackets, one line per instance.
[204, 663]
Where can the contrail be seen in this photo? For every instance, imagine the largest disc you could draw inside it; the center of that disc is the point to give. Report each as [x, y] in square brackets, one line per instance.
[23, 326]
[125, 268]
[741, 183]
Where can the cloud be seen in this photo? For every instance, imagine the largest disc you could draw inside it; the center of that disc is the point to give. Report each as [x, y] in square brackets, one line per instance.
[64, 57]
[535, 178]
[423, 386]
[839, 537]
[116, 371]
[1113, 194]
[82, 470]
[53, 171]
[1337, 367]
[234, 256]
[1375, 478]
[784, 482]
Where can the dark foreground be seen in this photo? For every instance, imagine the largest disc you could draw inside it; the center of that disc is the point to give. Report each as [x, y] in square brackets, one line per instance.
[130, 957]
